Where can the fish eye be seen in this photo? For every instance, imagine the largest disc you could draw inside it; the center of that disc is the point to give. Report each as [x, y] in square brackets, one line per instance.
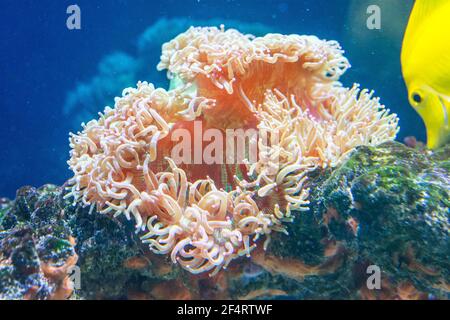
[416, 97]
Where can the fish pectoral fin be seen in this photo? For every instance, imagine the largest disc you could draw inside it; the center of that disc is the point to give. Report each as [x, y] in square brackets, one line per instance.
[445, 110]
[438, 131]
[437, 137]
[432, 138]
[434, 113]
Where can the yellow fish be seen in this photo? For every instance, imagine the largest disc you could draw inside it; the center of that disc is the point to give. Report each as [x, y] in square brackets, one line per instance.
[426, 67]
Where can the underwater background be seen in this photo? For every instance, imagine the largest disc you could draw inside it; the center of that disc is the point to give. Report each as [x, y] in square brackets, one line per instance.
[333, 209]
[53, 78]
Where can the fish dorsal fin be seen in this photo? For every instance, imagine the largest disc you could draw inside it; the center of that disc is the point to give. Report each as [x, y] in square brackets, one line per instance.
[424, 8]
[421, 10]
[426, 45]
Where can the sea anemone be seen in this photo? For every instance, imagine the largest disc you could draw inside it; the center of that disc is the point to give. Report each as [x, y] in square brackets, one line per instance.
[205, 214]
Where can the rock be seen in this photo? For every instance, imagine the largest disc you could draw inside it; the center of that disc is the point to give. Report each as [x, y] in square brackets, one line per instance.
[43, 235]
[36, 247]
[386, 206]
[104, 244]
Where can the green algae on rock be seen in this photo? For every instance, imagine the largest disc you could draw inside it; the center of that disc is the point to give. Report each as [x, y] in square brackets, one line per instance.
[36, 246]
[42, 236]
[387, 206]
[106, 246]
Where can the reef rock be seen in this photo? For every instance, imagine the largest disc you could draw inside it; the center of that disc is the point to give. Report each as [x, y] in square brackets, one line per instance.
[385, 206]
[46, 242]
[36, 246]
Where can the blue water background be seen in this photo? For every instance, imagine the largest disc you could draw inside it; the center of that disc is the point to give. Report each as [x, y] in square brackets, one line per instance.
[41, 61]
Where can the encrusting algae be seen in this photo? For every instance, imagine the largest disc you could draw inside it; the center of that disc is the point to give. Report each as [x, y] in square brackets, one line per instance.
[206, 215]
